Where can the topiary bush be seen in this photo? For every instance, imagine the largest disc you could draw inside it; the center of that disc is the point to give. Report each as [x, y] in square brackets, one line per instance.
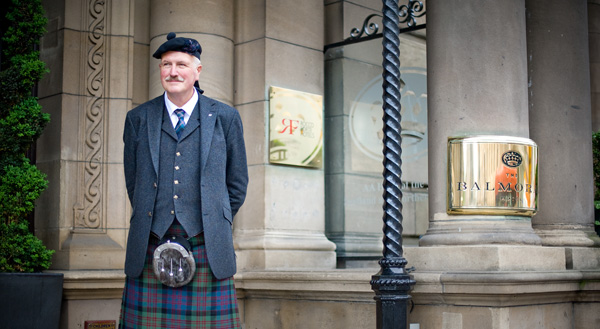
[21, 123]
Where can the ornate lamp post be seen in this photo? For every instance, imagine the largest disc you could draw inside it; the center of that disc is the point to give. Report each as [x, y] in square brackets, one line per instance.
[392, 283]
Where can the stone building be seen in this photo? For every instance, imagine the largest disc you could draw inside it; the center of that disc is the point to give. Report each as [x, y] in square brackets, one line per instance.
[309, 234]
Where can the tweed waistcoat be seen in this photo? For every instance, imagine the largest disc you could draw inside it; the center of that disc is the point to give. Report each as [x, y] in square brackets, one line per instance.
[178, 194]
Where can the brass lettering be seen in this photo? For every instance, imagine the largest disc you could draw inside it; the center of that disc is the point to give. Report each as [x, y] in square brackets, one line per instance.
[528, 188]
[501, 187]
[518, 187]
[487, 187]
[475, 187]
[462, 186]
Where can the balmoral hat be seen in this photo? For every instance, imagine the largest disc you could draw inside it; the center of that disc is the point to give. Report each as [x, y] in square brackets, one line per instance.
[173, 43]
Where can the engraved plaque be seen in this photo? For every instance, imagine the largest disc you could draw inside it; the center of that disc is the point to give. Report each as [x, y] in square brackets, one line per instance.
[296, 128]
[104, 324]
[492, 175]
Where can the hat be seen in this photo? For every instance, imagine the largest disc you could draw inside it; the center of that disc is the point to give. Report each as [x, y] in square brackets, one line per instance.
[185, 45]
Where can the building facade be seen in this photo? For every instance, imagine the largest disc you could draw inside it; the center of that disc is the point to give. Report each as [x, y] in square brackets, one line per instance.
[309, 235]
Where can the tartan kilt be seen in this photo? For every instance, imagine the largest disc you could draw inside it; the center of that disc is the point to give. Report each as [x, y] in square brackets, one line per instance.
[205, 302]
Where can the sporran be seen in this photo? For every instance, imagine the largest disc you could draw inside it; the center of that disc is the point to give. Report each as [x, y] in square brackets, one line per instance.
[173, 262]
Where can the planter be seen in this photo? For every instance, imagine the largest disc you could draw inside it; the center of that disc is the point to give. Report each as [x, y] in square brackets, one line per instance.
[597, 219]
[30, 300]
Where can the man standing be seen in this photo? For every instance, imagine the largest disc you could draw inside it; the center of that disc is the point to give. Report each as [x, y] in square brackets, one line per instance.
[186, 177]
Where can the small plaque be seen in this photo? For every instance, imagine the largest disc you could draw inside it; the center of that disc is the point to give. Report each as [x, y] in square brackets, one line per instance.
[295, 128]
[492, 175]
[102, 324]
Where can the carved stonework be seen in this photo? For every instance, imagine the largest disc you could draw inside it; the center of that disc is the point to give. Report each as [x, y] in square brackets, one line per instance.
[88, 211]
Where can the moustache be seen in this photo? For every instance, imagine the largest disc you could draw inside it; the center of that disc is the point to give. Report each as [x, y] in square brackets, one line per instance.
[180, 79]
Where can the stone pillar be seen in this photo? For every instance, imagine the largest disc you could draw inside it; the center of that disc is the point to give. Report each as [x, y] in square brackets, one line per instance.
[193, 19]
[560, 120]
[84, 213]
[282, 223]
[477, 85]
[594, 42]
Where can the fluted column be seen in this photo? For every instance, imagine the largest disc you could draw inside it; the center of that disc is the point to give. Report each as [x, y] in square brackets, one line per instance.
[560, 119]
[477, 85]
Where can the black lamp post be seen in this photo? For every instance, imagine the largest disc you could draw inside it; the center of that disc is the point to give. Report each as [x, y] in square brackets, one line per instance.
[392, 284]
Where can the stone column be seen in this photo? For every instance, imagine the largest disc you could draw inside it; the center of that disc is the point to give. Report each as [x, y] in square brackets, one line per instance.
[84, 213]
[282, 224]
[477, 85]
[560, 120]
[193, 19]
[594, 42]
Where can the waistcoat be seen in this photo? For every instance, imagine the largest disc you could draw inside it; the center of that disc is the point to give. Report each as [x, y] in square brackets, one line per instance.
[178, 195]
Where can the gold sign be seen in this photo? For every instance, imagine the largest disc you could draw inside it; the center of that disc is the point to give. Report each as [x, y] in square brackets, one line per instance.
[492, 175]
[296, 128]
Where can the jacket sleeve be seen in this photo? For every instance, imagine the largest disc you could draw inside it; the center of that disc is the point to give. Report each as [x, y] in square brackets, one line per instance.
[237, 168]
[129, 156]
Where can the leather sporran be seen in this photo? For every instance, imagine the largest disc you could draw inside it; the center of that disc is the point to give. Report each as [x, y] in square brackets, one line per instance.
[173, 262]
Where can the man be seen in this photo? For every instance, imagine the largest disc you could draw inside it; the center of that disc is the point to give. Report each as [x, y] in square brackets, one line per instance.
[186, 176]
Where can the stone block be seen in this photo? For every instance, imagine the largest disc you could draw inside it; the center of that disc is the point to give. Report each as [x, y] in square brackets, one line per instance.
[578, 258]
[285, 66]
[253, 118]
[250, 68]
[485, 258]
[119, 65]
[141, 21]
[250, 18]
[297, 23]
[187, 15]
[141, 64]
[251, 215]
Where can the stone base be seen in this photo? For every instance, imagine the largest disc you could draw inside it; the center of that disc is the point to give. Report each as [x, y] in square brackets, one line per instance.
[560, 236]
[486, 258]
[479, 229]
[278, 250]
[91, 296]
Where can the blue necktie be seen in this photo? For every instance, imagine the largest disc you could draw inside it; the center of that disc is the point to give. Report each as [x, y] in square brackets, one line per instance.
[181, 123]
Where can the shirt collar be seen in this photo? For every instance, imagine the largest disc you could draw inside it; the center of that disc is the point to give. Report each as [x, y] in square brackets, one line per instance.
[187, 107]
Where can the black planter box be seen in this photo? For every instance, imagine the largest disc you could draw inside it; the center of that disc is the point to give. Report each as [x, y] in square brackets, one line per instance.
[30, 300]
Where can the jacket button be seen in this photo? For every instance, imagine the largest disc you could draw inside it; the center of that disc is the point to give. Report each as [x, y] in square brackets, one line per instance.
[175, 197]
[172, 212]
[155, 185]
[178, 154]
[176, 182]
[176, 167]
[150, 213]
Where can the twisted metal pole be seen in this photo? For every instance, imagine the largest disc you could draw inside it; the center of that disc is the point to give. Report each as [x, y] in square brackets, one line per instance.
[392, 283]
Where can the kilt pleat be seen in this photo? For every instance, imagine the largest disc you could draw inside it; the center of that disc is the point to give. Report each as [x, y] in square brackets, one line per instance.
[205, 302]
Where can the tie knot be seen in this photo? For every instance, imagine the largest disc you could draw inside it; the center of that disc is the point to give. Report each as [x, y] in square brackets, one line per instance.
[180, 113]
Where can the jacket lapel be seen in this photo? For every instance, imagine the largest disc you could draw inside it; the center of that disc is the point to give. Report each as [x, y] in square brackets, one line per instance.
[155, 115]
[208, 118]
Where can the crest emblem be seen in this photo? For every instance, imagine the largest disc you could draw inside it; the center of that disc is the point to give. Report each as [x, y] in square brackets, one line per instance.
[512, 159]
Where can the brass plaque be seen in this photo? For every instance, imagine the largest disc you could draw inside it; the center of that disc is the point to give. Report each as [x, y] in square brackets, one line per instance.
[103, 324]
[492, 175]
[295, 128]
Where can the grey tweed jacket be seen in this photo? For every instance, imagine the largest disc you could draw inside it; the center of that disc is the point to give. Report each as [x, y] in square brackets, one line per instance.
[224, 179]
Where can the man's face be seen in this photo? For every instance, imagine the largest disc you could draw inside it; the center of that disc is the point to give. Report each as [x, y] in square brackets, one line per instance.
[178, 72]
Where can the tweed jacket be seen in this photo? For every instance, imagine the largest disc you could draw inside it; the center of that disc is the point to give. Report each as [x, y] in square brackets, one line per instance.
[223, 182]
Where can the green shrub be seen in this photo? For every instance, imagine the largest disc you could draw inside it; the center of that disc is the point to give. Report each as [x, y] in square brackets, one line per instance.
[21, 123]
[21, 251]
